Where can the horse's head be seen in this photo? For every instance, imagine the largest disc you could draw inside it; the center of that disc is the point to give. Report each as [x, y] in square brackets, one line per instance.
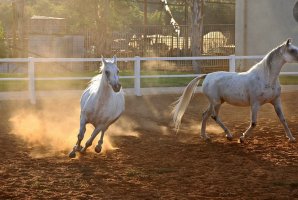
[289, 51]
[110, 72]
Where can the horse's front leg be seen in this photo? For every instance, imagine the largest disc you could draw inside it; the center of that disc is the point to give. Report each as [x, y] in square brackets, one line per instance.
[81, 134]
[216, 118]
[254, 111]
[100, 142]
[89, 142]
[278, 109]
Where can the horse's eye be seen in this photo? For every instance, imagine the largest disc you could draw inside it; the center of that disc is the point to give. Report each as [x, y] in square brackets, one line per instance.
[292, 51]
[107, 73]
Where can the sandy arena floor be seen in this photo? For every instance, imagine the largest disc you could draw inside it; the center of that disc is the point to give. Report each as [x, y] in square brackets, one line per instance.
[143, 157]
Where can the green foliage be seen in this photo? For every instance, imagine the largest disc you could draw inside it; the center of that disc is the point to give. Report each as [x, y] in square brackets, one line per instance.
[126, 83]
[3, 46]
[44, 8]
[123, 14]
[6, 15]
[157, 17]
[216, 13]
[117, 15]
[82, 14]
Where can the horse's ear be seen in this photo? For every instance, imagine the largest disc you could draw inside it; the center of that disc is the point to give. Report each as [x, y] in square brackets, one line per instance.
[114, 59]
[103, 59]
[289, 40]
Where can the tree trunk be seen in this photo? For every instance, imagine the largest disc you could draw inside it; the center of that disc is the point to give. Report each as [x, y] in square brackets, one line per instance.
[196, 7]
[18, 28]
[102, 26]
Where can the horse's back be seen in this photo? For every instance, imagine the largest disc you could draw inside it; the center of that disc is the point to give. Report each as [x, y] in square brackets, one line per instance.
[222, 80]
[230, 87]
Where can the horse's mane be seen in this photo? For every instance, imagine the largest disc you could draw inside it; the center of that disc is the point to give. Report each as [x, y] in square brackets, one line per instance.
[94, 83]
[268, 58]
[271, 55]
[266, 64]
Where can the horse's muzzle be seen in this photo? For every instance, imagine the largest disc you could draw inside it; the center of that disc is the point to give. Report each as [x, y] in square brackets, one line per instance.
[116, 87]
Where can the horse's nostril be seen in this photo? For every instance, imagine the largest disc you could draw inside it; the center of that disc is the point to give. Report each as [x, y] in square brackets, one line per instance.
[117, 87]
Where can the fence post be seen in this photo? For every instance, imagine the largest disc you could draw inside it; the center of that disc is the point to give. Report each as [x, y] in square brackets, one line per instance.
[232, 63]
[137, 75]
[31, 80]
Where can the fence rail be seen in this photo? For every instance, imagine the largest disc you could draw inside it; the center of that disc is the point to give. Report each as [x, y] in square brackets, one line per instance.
[137, 69]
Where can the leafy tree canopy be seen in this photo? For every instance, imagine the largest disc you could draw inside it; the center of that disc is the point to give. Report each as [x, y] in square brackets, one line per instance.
[120, 14]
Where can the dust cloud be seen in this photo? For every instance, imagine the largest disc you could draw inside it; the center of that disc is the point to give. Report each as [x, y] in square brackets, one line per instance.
[51, 129]
[156, 65]
[195, 128]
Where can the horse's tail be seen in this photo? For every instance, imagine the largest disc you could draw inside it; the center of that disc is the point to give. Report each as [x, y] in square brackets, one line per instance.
[181, 104]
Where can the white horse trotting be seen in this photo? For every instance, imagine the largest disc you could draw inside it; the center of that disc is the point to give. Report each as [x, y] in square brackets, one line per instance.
[102, 103]
[253, 88]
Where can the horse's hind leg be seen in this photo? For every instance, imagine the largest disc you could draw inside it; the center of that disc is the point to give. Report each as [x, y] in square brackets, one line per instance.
[216, 118]
[205, 116]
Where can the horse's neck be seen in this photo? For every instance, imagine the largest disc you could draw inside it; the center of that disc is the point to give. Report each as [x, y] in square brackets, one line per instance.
[104, 90]
[275, 62]
[270, 67]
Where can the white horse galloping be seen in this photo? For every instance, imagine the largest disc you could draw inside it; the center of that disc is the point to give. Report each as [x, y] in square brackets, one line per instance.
[102, 103]
[253, 88]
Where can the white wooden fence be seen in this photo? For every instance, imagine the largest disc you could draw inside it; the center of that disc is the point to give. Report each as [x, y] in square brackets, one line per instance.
[137, 69]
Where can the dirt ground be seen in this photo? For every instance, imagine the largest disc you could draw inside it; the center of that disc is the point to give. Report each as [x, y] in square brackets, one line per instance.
[144, 158]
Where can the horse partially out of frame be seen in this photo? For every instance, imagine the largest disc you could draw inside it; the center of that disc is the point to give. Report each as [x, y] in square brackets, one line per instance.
[102, 103]
[257, 86]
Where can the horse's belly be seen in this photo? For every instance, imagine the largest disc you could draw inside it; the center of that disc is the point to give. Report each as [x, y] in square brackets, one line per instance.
[235, 95]
[238, 101]
[268, 95]
[105, 116]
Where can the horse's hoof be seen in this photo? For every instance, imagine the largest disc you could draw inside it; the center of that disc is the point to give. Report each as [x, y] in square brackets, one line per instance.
[98, 149]
[207, 139]
[72, 154]
[82, 151]
[241, 139]
[292, 140]
[229, 137]
[77, 148]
